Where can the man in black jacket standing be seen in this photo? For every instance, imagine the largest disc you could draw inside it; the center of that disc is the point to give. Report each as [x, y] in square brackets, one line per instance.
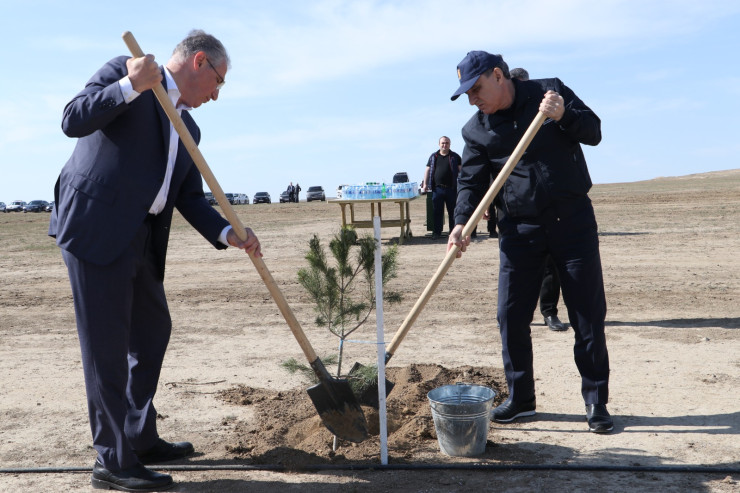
[543, 209]
[440, 177]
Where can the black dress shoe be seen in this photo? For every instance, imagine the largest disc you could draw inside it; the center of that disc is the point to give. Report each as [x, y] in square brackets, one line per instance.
[599, 420]
[136, 478]
[165, 451]
[555, 324]
[509, 411]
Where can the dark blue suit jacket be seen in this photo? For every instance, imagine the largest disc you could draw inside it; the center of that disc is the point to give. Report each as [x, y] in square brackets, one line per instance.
[107, 186]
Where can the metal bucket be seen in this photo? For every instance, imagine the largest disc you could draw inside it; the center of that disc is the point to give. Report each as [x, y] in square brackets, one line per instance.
[460, 415]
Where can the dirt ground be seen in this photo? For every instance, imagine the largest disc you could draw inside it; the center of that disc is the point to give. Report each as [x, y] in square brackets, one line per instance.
[670, 257]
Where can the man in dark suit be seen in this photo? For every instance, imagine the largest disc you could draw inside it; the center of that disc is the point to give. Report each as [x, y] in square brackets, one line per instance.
[114, 203]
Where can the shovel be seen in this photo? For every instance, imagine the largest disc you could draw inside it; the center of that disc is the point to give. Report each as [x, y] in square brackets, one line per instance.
[467, 230]
[333, 398]
[451, 254]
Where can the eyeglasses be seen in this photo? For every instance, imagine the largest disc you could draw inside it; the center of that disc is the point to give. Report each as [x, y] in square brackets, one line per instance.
[220, 79]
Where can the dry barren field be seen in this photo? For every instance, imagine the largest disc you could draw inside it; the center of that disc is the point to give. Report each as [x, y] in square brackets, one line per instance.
[670, 250]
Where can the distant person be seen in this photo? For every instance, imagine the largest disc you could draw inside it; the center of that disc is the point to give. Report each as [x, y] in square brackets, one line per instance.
[115, 199]
[440, 177]
[550, 289]
[543, 209]
[291, 192]
[297, 192]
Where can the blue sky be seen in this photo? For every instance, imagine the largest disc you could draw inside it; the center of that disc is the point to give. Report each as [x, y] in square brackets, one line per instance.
[330, 92]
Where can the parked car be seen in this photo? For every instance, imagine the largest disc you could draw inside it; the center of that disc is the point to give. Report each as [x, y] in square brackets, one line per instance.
[240, 198]
[230, 198]
[339, 191]
[210, 198]
[401, 177]
[262, 198]
[284, 196]
[2, 207]
[15, 206]
[50, 207]
[315, 193]
[35, 206]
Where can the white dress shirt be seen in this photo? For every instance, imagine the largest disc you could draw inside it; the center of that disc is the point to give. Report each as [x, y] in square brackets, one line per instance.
[129, 94]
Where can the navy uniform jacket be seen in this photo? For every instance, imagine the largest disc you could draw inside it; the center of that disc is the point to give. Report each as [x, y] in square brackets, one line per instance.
[107, 186]
[552, 170]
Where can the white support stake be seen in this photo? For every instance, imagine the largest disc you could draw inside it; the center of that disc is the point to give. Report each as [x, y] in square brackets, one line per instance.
[381, 344]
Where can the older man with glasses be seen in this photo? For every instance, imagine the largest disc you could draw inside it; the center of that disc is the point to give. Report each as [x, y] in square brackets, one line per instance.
[115, 199]
[220, 80]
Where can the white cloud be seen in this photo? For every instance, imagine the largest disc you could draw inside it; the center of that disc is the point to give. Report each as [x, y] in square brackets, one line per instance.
[333, 39]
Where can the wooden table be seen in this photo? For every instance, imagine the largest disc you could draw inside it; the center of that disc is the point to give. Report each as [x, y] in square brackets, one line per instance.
[403, 204]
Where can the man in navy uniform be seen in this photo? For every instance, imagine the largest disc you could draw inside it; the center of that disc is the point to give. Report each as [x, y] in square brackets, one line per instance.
[543, 209]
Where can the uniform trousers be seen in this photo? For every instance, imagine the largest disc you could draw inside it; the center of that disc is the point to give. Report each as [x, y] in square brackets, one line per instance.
[124, 326]
[569, 234]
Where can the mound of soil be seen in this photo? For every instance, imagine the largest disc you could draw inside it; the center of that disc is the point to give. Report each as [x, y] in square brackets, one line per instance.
[288, 431]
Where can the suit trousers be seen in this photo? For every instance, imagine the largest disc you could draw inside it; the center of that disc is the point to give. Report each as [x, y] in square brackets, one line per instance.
[124, 326]
[570, 236]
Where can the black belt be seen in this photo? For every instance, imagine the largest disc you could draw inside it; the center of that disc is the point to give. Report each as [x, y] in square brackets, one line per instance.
[444, 186]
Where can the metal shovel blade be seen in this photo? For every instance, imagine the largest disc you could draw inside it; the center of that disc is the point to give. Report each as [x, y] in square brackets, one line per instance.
[339, 410]
[369, 396]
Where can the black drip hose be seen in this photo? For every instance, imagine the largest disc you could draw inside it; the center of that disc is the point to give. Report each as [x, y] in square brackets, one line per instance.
[404, 467]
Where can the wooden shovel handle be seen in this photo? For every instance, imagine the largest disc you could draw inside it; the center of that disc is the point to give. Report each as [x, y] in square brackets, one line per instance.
[218, 193]
[467, 230]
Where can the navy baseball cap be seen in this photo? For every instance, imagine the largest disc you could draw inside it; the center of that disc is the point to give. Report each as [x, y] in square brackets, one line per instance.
[471, 67]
